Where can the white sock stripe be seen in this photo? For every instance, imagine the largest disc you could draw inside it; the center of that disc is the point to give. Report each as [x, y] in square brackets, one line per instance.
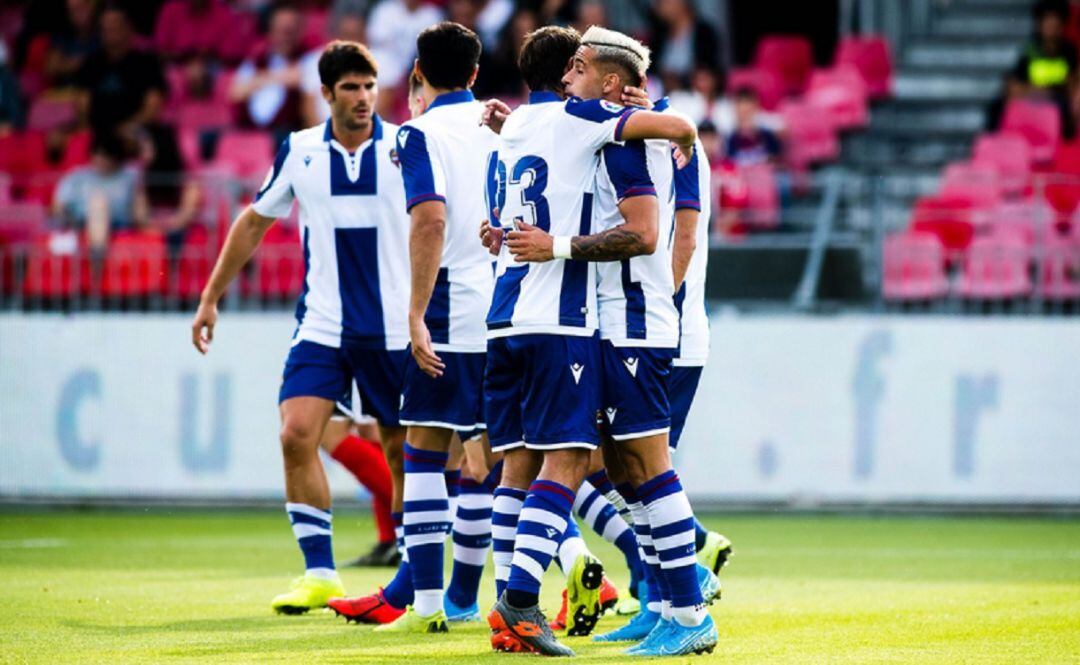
[669, 509]
[308, 510]
[616, 500]
[426, 517]
[503, 532]
[615, 528]
[689, 560]
[473, 556]
[302, 530]
[424, 539]
[527, 542]
[528, 564]
[594, 512]
[569, 550]
[475, 501]
[675, 541]
[540, 516]
[425, 486]
[472, 528]
[582, 494]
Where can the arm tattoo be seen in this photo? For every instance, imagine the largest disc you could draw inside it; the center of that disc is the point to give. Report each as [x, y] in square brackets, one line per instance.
[615, 244]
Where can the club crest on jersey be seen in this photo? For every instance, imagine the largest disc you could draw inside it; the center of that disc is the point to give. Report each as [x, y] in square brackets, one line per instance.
[611, 106]
[611, 414]
[631, 366]
[402, 136]
[576, 369]
[394, 158]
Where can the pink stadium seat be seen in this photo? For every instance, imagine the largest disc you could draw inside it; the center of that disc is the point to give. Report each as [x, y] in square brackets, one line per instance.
[194, 262]
[811, 137]
[77, 150]
[762, 210]
[1059, 269]
[1010, 154]
[47, 114]
[769, 89]
[789, 57]
[134, 265]
[995, 268]
[1038, 122]
[871, 56]
[21, 222]
[842, 94]
[914, 267]
[279, 264]
[947, 218]
[1029, 218]
[977, 183]
[248, 154]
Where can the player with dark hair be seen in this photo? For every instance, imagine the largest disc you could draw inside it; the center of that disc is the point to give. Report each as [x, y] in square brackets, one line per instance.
[351, 317]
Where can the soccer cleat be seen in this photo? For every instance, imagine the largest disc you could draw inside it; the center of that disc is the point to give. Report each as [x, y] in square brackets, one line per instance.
[655, 636]
[709, 583]
[637, 629]
[609, 595]
[716, 552]
[523, 631]
[411, 622]
[382, 554]
[627, 606]
[457, 613]
[679, 640]
[583, 586]
[366, 609]
[307, 593]
[559, 622]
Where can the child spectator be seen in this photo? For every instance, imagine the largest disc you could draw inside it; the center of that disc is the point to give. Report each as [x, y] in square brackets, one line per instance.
[751, 143]
[267, 86]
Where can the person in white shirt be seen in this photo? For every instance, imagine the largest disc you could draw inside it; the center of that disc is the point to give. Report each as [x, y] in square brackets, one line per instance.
[351, 314]
[392, 29]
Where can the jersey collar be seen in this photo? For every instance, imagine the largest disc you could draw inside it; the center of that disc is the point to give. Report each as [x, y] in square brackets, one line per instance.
[661, 104]
[376, 129]
[544, 96]
[455, 97]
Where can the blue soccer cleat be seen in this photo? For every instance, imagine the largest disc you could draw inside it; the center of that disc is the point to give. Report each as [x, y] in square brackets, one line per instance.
[637, 629]
[655, 636]
[679, 640]
[709, 583]
[456, 613]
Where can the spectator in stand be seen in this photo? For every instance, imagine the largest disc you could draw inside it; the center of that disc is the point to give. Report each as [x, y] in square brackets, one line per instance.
[491, 18]
[11, 109]
[751, 143]
[392, 29]
[1048, 64]
[123, 88]
[267, 85]
[1011, 88]
[704, 101]
[199, 29]
[502, 77]
[682, 42]
[76, 41]
[347, 24]
[590, 13]
[104, 196]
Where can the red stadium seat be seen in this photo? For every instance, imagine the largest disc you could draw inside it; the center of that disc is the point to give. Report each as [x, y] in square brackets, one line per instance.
[1059, 269]
[995, 268]
[21, 222]
[77, 150]
[279, 264]
[49, 113]
[977, 183]
[56, 274]
[914, 267]
[789, 57]
[22, 154]
[1010, 154]
[1037, 121]
[247, 154]
[134, 265]
[769, 89]
[871, 56]
[762, 210]
[811, 137]
[841, 93]
[947, 218]
[194, 263]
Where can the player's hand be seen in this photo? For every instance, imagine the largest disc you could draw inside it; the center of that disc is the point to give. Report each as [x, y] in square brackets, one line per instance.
[637, 97]
[205, 320]
[491, 237]
[683, 155]
[530, 244]
[425, 357]
[495, 114]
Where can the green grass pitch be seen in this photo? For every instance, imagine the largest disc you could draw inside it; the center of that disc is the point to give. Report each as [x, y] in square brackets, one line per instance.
[162, 586]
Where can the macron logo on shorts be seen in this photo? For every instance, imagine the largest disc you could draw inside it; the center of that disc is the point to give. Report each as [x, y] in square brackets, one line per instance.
[576, 369]
[631, 366]
[611, 415]
[551, 532]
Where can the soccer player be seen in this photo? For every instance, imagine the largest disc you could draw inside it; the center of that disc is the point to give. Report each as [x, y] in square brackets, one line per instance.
[639, 325]
[443, 153]
[542, 388]
[351, 318]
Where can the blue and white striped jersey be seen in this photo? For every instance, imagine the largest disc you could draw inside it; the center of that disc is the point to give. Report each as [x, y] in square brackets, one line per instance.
[354, 232]
[444, 156]
[547, 158]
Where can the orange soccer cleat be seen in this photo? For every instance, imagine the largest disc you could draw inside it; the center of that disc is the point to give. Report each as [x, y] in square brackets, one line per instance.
[609, 598]
[366, 609]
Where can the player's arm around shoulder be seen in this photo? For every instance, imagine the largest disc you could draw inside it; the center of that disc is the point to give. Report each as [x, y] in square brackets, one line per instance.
[652, 125]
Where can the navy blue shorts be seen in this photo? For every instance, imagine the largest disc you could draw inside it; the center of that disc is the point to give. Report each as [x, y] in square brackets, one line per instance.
[684, 385]
[543, 392]
[454, 401]
[636, 385]
[315, 370]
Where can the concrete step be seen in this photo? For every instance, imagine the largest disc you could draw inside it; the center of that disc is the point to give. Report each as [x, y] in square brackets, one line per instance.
[945, 87]
[964, 24]
[931, 119]
[870, 152]
[986, 54]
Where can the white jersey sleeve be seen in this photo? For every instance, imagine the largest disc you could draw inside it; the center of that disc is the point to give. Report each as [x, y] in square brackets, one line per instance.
[692, 191]
[597, 122]
[275, 197]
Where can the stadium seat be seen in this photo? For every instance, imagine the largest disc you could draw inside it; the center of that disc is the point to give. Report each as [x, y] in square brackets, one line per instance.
[193, 263]
[22, 154]
[134, 265]
[947, 218]
[1010, 154]
[842, 94]
[811, 137]
[769, 89]
[977, 183]
[1059, 269]
[49, 113]
[914, 267]
[21, 222]
[1037, 121]
[762, 209]
[279, 264]
[871, 56]
[77, 150]
[789, 57]
[52, 273]
[995, 268]
[1029, 218]
[247, 154]
[215, 112]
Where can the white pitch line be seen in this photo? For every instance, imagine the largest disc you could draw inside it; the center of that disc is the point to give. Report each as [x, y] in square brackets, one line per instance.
[32, 543]
[902, 552]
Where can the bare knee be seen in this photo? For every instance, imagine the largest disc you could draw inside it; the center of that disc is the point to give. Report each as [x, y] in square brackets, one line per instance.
[299, 441]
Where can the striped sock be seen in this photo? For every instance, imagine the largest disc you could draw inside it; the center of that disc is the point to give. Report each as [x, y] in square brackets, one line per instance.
[603, 484]
[571, 547]
[427, 520]
[672, 523]
[453, 488]
[540, 529]
[595, 510]
[399, 592]
[472, 538]
[505, 510]
[313, 528]
[655, 594]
